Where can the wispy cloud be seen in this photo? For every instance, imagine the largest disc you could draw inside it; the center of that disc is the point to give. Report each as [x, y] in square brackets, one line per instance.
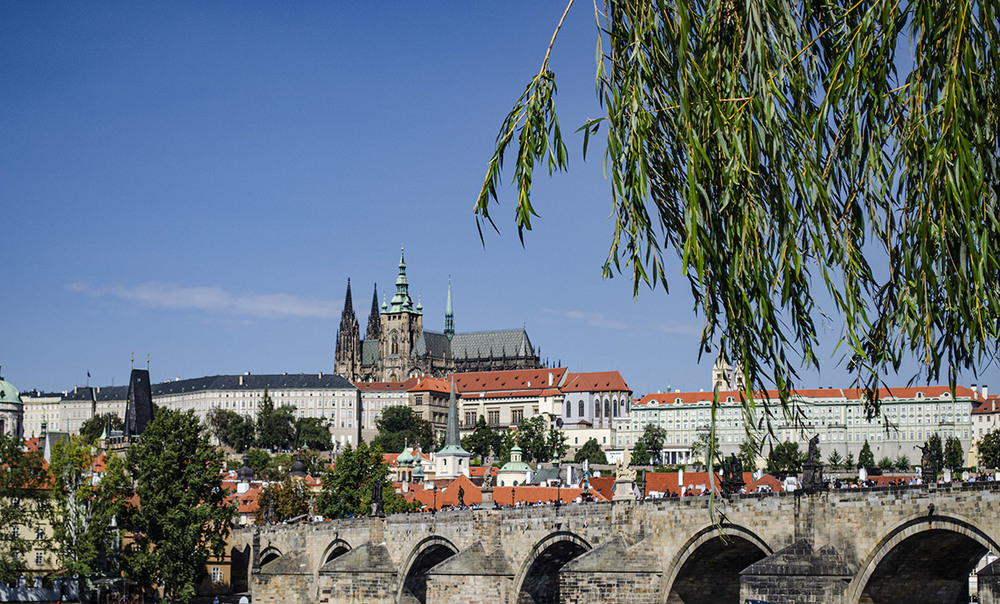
[686, 329]
[155, 294]
[593, 319]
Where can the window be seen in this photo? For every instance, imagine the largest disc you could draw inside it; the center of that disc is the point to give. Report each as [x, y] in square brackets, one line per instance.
[607, 408]
[569, 409]
[39, 533]
[581, 409]
[38, 558]
[493, 417]
[216, 574]
[516, 415]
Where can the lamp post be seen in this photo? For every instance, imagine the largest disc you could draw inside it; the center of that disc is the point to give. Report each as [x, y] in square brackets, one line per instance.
[434, 509]
[558, 485]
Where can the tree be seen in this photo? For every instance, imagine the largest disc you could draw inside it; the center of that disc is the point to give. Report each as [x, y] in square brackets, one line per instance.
[887, 464]
[835, 460]
[86, 533]
[23, 504]
[94, 427]
[275, 427]
[555, 445]
[785, 458]
[903, 463]
[281, 501]
[954, 456]
[865, 458]
[533, 439]
[649, 447]
[849, 462]
[347, 488]
[231, 428]
[813, 141]
[591, 451]
[182, 517]
[259, 460]
[400, 426]
[989, 450]
[703, 447]
[749, 452]
[312, 433]
[937, 452]
[483, 441]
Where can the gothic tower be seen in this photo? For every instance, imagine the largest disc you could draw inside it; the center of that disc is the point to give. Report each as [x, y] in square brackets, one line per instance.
[401, 323]
[348, 357]
[449, 316]
[374, 321]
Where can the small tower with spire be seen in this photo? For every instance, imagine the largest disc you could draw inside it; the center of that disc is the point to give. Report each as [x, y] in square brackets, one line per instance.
[452, 460]
[374, 322]
[400, 325]
[348, 356]
[449, 315]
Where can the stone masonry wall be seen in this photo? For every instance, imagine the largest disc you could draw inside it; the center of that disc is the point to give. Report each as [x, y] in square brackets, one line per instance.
[454, 589]
[593, 588]
[376, 588]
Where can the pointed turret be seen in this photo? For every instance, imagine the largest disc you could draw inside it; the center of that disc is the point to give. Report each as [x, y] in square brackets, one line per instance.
[452, 459]
[348, 352]
[348, 302]
[449, 315]
[374, 322]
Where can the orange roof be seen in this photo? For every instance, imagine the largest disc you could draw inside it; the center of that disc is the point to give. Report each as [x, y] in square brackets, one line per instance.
[480, 471]
[987, 406]
[666, 482]
[447, 494]
[604, 484]
[595, 381]
[33, 444]
[432, 384]
[374, 386]
[528, 382]
[667, 398]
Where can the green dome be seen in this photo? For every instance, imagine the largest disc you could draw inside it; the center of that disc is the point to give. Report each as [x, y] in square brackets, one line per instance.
[8, 393]
[405, 458]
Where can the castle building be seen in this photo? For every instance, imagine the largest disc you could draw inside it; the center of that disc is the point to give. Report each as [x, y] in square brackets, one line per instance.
[397, 347]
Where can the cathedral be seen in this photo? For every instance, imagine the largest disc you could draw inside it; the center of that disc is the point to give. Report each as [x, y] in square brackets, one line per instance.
[396, 346]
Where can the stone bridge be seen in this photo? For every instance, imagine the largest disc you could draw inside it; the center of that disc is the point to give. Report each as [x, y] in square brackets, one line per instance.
[892, 544]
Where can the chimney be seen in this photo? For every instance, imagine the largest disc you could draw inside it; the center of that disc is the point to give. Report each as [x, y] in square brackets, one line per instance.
[975, 394]
[985, 391]
[550, 378]
[241, 380]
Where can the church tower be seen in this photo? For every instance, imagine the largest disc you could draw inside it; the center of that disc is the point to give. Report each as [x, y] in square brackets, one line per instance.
[401, 323]
[348, 357]
[374, 322]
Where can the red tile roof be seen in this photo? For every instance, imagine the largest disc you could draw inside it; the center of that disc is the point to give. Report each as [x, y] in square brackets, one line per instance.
[431, 384]
[596, 381]
[376, 386]
[666, 482]
[666, 398]
[988, 406]
[520, 382]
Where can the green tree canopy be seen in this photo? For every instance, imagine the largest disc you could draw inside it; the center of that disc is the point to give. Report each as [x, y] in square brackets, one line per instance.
[281, 501]
[275, 427]
[231, 428]
[648, 448]
[781, 150]
[903, 463]
[954, 455]
[483, 442]
[866, 459]
[785, 458]
[591, 451]
[183, 517]
[23, 504]
[703, 446]
[94, 427]
[835, 460]
[347, 488]
[749, 452]
[937, 451]
[313, 433]
[400, 426]
[989, 450]
[537, 443]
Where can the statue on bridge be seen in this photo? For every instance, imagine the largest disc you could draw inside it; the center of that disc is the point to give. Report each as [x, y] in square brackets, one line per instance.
[378, 504]
[928, 474]
[812, 469]
[461, 496]
[732, 475]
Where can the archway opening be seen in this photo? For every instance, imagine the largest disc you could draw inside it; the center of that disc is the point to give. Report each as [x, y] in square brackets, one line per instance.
[336, 552]
[415, 585]
[240, 564]
[712, 572]
[541, 581]
[930, 567]
[269, 556]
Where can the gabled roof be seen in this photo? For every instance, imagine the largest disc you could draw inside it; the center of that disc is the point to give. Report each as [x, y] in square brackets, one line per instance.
[988, 406]
[431, 384]
[528, 382]
[432, 343]
[596, 381]
[480, 344]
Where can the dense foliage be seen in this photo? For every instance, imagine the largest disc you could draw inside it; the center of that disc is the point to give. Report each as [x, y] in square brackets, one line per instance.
[785, 458]
[347, 488]
[231, 428]
[275, 430]
[182, 518]
[591, 451]
[23, 504]
[484, 442]
[94, 427]
[648, 449]
[781, 152]
[539, 444]
[989, 450]
[400, 426]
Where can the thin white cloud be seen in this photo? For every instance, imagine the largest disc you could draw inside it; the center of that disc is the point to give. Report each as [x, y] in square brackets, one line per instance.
[686, 329]
[593, 319]
[155, 294]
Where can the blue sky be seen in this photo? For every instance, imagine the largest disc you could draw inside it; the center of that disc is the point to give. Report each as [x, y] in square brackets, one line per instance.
[197, 181]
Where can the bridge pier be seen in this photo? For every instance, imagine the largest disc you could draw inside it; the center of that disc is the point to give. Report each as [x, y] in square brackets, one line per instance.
[797, 573]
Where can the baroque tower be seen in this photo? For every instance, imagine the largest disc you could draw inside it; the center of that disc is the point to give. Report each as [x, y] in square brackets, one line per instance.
[401, 324]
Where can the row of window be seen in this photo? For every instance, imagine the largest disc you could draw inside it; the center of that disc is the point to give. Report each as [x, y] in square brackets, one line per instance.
[611, 408]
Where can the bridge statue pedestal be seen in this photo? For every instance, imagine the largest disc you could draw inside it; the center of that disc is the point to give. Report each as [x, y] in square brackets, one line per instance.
[624, 489]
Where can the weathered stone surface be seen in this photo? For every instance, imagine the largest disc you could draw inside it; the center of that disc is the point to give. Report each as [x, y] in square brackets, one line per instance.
[634, 549]
[797, 574]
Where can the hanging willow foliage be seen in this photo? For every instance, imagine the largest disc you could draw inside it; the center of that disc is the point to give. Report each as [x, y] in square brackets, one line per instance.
[777, 147]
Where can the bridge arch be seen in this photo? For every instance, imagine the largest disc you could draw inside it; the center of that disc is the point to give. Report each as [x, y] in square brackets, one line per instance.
[336, 548]
[930, 557]
[707, 567]
[538, 578]
[428, 553]
[268, 554]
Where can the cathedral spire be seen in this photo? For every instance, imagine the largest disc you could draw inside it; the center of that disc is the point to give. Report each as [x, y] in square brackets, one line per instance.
[449, 315]
[453, 442]
[374, 323]
[348, 303]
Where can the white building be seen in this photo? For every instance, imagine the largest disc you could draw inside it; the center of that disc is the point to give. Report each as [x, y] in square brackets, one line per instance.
[909, 417]
[594, 404]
